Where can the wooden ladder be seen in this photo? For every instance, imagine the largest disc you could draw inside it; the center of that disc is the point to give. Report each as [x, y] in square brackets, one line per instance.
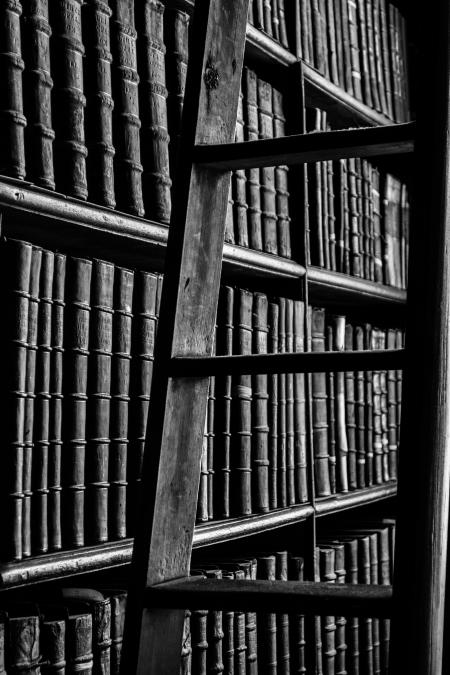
[160, 585]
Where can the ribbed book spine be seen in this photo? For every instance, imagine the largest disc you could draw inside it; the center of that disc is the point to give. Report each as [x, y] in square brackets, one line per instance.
[56, 405]
[52, 641]
[273, 409]
[350, 414]
[300, 433]
[346, 46]
[283, 28]
[239, 636]
[283, 620]
[366, 644]
[341, 621]
[268, 192]
[79, 657]
[281, 181]
[378, 55]
[99, 103]
[354, 48]
[369, 423]
[319, 408]
[260, 427]
[377, 421]
[297, 623]
[267, 622]
[99, 401]
[331, 410]
[120, 398]
[392, 410]
[371, 55]
[239, 185]
[22, 642]
[126, 121]
[251, 634]
[290, 435]
[37, 89]
[332, 38]
[360, 403]
[328, 575]
[354, 216]
[101, 636]
[76, 340]
[186, 646]
[16, 269]
[364, 54]
[353, 633]
[30, 382]
[199, 637]
[39, 501]
[215, 634]
[341, 422]
[282, 438]
[12, 147]
[386, 58]
[153, 110]
[68, 98]
[249, 81]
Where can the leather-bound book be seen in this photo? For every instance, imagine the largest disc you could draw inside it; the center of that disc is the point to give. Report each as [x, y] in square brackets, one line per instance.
[56, 404]
[319, 408]
[186, 646]
[318, 37]
[297, 621]
[39, 483]
[328, 575]
[228, 645]
[346, 47]
[392, 421]
[153, 110]
[353, 18]
[76, 345]
[404, 240]
[283, 619]
[96, 16]
[364, 577]
[368, 224]
[240, 644]
[260, 423]
[354, 636]
[331, 409]
[394, 52]
[268, 192]
[30, 382]
[324, 36]
[350, 414]
[379, 269]
[385, 46]
[290, 434]
[251, 636]
[99, 401]
[215, 634]
[249, 85]
[273, 408]
[37, 90]
[392, 221]
[400, 343]
[52, 642]
[319, 657]
[12, 147]
[120, 399]
[69, 101]
[199, 640]
[331, 212]
[342, 459]
[378, 56]
[281, 181]
[381, 344]
[22, 639]
[2, 642]
[339, 44]
[210, 444]
[377, 421]
[341, 621]
[267, 621]
[258, 14]
[79, 638]
[376, 99]
[369, 424]
[355, 238]
[316, 196]
[282, 438]
[202, 498]
[300, 432]
[239, 185]
[126, 120]
[360, 412]
[283, 27]
[332, 41]
[306, 32]
[275, 20]
[267, 7]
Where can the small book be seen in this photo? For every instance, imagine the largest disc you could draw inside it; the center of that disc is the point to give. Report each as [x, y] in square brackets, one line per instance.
[52, 641]
[319, 408]
[249, 85]
[392, 410]
[100, 608]
[79, 656]
[267, 174]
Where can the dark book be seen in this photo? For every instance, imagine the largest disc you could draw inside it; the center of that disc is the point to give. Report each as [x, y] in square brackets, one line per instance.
[41, 430]
[378, 56]
[68, 98]
[22, 639]
[37, 90]
[374, 83]
[300, 430]
[2, 642]
[350, 414]
[355, 232]
[306, 31]
[96, 16]
[258, 14]
[391, 220]
[340, 56]
[251, 635]
[56, 404]
[364, 53]
[324, 223]
[186, 646]
[228, 650]
[403, 66]
[319, 408]
[318, 38]
[52, 642]
[76, 341]
[282, 438]
[241, 495]
[392, 410]
[239, 186]
[283, 27]
[12, 147]
[324, 36]
[30, 382]
[400, 343]
[379, 269]
[346, 47]
[267, 621]
[153, 110]
[368, 221]
[79, 656]
[275, 20]
[404, 241]
[268, 192]
[394, 53]
[385, 47]
[249, 83]
[126, 120]
[210, 444]
[240, 643]
[290, 433]
[353, 18]
[99, 401]
[215, 634]
[199, 640]
[360, 412]
[342, 469]
[316, 196]
[379, 476]
[331, 214]
[331, 410]
[344, 214]
[273, 408]
[16, 259]
[202, 498]
[145, 311]
[364, 577]
[281, 181]
[363, 235]
[267, 9]
[318, 659]
[283, 619]
[120, 399]
[332, 41]
[328, 575]
[297, 622]
[229, 224]
[369, 423]
[341, 621]
[381, 344]
[260, 423]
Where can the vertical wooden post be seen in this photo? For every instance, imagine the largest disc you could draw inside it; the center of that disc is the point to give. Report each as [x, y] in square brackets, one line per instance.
[162, 549]
[424, 472]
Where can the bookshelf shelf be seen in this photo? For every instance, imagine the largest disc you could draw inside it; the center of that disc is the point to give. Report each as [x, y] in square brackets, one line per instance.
[353, 500]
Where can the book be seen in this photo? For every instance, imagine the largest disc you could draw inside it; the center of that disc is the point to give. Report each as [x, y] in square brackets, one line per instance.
[76, 346]
[37, 91]
[52, 642]
[239, 187]
[328, 575]
[369, 420]
[153, 110]
[186, 646]
[120, 399]
[386, 58]
[99, 401]
[12, 146]
[342, 449]
[347, 51]
[350, 417]
[260, 425]
[318, 38]
[332, 41]
[79, 656]
[360, 411]
[126, 121]
[300, 429]
[378, 56]
[68, 99]
[267, 621]
[273, 408]
[267, 8]
[22, 639]
[282, 436]
[319, 408]
[354, 216]
[267, 174]
[215, 634]
[352, 14]
[331, 410]
[283, 619]
[290, 433]
[249, 85]
[373, 75]
[283, 27]
[281, 180]
[364, 54]
[96, 15]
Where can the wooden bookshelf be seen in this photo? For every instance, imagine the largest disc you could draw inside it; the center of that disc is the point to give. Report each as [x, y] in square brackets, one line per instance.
[330, 287]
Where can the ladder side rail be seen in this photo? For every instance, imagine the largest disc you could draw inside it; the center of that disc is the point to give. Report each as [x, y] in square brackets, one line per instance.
[162, 550]
[424, 471]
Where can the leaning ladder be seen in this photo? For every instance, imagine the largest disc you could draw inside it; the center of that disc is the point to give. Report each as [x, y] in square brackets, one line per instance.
[160, 585]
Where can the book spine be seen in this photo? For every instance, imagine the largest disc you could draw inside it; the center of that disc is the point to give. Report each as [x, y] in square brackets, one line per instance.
[281, 181]
[143, 341]
[268, 192]
[300, 432]
[258, 14]
[318, 622]
[315, 199]
[275, 20]
[369, 424]
[400, 342]
[39, 501]
[251, 635]
[68, 99]
[56, 404]
[324, 35]
[331, 411]
[260, 427]
[331, 216]
[126, 122]
[325, 200]
[118, 606]
[186, 646]
[395, 62]
[282, 438]
[96, 16]
[350, 416]
[405, 216]
[290, 433]
[37, 89]
[341, 621]
[120, 399]
[101, 637]
[267, 7]
[341, 412]
[381, 344]
[240, 636]
[283, 620]
[371, 55]
[328, 575]
[374, 580]
[283, 28]
[368, 218]
[385, 580]
[356, 267]
[385, 47]
[319, 409]
[79, 657]
[379, 269]
[52, 640]
[76, 339]
[392, 410]
[360, 403]
[30, 382]
[332, 47]
[22, 647]
[229, 224]
[377, 421]
[215, 634]
[210, 444]
[202, 498]
[297, 623]
[267, 622]
[306, 32]
[403, 57]
[199, 638]
[346, 46]
[273, 409]
[364, 53]
[250, 88]
[347, 269]
[318, 38]
[352, 10]
[242, 402]
[16, 270]
[12, 147]
[353, 633]
[239, 187]
[153, 110]
[367, 660]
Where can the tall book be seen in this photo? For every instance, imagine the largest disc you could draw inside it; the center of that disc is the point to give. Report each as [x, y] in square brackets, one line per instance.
[52, 640]
[332, 41]
[385, 47]
[22, 639]
[186, 646]
[364, 54]
[37, 90]
[215, 635]
[281, 180]
[126, 120]
[56, 404]
[12, 148]
[282, 437]
[120, 398]
[328, 575]
[249, 84]
[341, 412]
[379, 455]
[99, 103]
[260, 426]
[392, 410]
[331, 409]
[350, 414]
[360, 411]
[153, 110]
[300, 432]
[41, 430]
[319, 408]
[290, 434]
[273, 408]
[352, 13]
[318, 37]
[347, 56]
[369, 421]
[374, 83]
[68, 98]
[267, 621]
[76, 340]
[297, 623]
[378, 55]
[238, 185]
[99, 401]
[268, 192]
[283, 619]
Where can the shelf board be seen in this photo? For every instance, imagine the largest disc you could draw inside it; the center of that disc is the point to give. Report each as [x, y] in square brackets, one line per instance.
[333, 287]
[327, 506]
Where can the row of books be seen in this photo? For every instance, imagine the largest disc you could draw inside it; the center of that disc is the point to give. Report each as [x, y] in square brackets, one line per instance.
[270, 17]
[361, 46]
[81, 629]
[358, 217]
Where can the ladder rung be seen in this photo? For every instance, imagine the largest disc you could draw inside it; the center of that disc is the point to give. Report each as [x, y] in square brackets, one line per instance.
[303, 362]
[271, 596]
[393, 139]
